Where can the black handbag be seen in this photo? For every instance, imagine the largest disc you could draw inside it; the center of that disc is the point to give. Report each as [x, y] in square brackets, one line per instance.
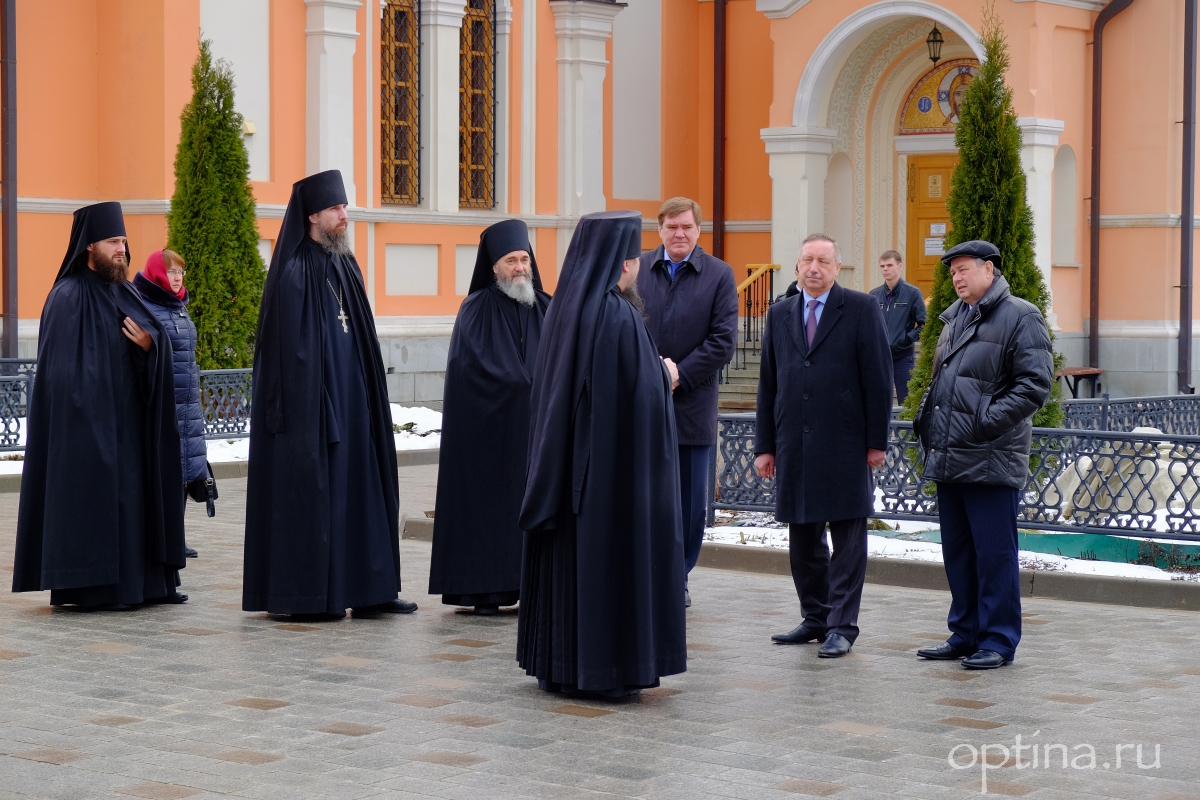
[204, 490]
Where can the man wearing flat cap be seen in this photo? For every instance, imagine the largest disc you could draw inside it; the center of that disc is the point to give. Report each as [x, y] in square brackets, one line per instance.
[322, 496]
[993, 368]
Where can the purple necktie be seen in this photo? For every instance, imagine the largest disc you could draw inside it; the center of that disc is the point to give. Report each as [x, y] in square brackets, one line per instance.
[810, 327]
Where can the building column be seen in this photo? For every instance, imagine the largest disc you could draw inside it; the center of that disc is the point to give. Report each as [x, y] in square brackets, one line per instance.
[583, 28]
[329, 88]
[799, 161]
[1040, 141]
[441, 40]
[501, 162]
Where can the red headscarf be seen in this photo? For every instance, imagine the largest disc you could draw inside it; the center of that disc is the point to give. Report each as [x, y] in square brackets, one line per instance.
[156, 270]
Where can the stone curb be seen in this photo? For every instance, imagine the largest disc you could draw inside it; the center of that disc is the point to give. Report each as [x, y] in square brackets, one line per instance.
[11, 484]
[1178, 595]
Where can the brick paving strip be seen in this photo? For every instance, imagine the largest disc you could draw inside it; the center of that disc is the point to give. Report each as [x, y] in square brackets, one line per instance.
[204, 701]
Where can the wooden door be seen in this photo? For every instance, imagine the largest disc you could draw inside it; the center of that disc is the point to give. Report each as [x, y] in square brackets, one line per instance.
[928, 220]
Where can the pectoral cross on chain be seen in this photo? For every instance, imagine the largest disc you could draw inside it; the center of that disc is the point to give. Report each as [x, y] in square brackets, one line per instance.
[342, 316]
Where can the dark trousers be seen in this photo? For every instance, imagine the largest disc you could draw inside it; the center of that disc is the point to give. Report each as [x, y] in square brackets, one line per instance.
[830, 589]
[694, 465]
[901, 371]
[979, 547]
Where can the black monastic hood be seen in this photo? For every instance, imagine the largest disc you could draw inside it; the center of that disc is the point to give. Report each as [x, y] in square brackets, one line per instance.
[495, 243]
[91, 224]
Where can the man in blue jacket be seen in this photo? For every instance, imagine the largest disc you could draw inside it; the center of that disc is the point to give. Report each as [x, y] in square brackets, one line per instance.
[904, 315]
[691, 312]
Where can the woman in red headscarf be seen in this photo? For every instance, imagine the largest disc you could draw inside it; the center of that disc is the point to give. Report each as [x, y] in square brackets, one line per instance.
[161, 286]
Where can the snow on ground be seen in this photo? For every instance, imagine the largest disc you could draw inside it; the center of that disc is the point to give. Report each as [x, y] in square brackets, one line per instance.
[423, 432]
[884, 547]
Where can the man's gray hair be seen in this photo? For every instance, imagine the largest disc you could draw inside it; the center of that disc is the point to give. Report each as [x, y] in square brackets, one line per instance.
[821, 237]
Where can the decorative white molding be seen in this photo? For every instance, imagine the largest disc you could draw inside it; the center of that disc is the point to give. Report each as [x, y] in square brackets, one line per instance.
[1138, 220]
[1139, 329]
[799, 139]
[504, 16]
[650, 224]
[444, 12]
[331, 37]
[1086, 5]
[818, 78]
[583, 28]
[778, 9]
[1039, 131]
[529, 26]
[925, 144]
[414, 327]
[441, 33]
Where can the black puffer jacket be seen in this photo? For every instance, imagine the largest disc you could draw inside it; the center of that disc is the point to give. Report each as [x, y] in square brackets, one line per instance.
[189, 415]
[975, 420]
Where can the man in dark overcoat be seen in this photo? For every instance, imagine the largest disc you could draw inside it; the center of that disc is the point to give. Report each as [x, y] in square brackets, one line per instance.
[824, 400]
[691, 313]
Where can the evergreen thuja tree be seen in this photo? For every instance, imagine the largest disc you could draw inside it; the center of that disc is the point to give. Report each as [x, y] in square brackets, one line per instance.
[211, 222]
[987, 201]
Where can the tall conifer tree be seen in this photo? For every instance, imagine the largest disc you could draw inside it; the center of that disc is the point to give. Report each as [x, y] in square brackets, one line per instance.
[212, 222]
[987, 201]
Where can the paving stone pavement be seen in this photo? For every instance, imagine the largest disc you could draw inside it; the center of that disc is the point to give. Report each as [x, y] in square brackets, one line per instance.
[204, 700]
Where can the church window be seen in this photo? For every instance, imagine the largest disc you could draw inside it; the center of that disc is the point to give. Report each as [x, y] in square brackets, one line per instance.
[477, 107]
[399, 142]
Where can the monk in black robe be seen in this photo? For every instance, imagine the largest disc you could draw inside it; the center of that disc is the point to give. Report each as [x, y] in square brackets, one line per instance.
[602, 590]
[323, 496]
[101, 518]
[485, 426]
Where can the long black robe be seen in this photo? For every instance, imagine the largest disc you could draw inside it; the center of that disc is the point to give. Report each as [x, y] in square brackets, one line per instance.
[322, 505]
[101, 515]
[477, 542]
[602, 589]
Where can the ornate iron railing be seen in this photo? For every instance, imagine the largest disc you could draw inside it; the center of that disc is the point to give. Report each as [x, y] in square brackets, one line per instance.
[1173, 414]
[1080, 481]
[224, 396]
[399, 89]
[477, 106]
[225, 399]
[755, 295]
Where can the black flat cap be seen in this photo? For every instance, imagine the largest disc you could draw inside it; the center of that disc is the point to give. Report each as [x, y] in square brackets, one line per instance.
[975, 249]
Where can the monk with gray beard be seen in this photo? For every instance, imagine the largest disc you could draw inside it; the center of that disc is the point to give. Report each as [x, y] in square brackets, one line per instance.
[485, 426]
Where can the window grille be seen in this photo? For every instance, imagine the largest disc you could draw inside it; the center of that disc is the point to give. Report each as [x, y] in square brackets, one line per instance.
[399, 143]
[477, 109]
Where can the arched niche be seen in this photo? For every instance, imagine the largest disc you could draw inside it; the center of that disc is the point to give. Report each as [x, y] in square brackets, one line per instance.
[1066, 211]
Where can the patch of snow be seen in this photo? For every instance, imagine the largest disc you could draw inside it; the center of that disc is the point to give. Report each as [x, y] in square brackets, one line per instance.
[883, 547]
[426, 431]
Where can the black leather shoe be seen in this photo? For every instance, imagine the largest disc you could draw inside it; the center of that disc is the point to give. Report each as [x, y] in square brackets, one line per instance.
[835, 646]
[946, 652]
[319, 617]
[396, 606]
[189, 552]
[799, 635]
[480, 611]
[985, 659]
[174, 598]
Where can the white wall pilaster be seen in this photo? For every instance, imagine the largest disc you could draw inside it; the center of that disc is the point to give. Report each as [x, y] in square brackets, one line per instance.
[1037, 160]
[441, 32]
[504, 17]
[799, 162]
[583, 28]
[529, 23]
[331, 33]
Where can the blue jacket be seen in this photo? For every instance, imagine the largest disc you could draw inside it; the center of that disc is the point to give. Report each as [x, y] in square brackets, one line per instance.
[189, 413]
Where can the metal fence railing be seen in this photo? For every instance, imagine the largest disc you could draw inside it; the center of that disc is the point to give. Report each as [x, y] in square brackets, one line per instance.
[1173, 414]
[1080, 482]
[224, 395]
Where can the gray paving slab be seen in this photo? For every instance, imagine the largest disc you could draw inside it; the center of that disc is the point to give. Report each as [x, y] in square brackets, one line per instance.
[203, 700]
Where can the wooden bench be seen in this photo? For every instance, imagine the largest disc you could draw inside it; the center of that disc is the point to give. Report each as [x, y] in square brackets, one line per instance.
[1071, 376]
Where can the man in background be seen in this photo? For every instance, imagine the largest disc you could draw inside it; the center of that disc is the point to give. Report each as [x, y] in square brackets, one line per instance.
[904, 315]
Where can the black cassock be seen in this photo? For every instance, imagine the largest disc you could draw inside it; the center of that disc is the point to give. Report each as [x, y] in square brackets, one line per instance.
[602, 590]
[477, 542]
[101, 514]
[323, 494]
